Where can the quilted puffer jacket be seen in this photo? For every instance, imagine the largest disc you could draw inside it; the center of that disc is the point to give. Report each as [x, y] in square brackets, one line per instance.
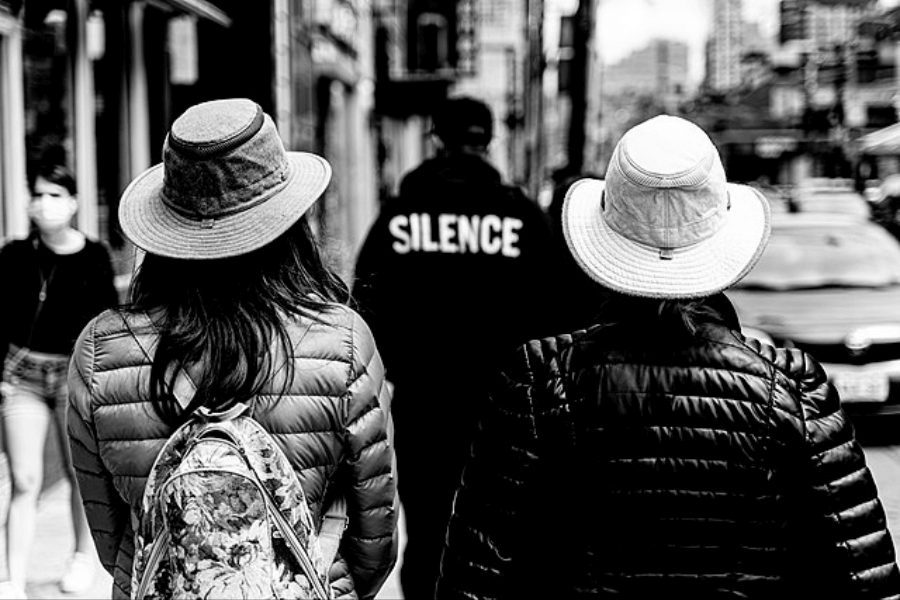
[332, 424]
[625, 463]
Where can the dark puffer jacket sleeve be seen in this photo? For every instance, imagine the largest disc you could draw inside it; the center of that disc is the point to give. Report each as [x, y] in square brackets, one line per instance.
[370, 543]
[846, 547]
[497, 495]
[108, 515]
[848, 519]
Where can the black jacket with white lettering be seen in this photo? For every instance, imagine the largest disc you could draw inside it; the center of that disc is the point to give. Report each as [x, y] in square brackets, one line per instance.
[623, 461]
[456, 268]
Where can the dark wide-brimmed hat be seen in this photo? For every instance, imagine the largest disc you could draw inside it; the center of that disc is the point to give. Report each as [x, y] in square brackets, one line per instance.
[665, 223]
[226, 185]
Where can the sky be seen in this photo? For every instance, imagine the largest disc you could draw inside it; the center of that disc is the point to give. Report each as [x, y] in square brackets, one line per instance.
[627, 25]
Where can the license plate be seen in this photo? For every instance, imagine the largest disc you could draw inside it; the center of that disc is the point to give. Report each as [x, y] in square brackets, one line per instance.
[862, 387]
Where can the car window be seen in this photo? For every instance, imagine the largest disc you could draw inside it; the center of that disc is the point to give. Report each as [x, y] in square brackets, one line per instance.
[830, 253]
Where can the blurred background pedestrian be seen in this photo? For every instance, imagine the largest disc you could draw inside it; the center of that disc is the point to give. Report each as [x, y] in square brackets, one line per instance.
[457, 268]
[886, 210]
[583, 296]
[55, 281]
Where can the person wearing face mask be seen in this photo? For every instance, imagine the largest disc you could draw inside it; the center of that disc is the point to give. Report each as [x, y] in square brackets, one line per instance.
[54, 282]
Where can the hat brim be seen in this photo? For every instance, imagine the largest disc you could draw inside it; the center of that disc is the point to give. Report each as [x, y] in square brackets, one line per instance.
[152, 226]
[636, 269]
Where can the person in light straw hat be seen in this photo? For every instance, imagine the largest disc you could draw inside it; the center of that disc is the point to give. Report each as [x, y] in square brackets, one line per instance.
[666, 223]
[690, 460]
[233, 296]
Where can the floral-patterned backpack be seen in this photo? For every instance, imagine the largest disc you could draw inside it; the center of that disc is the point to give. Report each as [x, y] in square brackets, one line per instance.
[224, 516]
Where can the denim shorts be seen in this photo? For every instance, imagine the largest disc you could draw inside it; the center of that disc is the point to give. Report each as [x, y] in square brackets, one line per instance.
[31, 373]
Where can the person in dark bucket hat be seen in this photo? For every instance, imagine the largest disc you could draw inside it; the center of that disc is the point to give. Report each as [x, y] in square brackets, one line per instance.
[680, 458]
[232, 307]
[226, 185]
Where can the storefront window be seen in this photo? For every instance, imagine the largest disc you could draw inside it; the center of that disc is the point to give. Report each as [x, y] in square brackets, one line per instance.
[4, 220]
[48, 131]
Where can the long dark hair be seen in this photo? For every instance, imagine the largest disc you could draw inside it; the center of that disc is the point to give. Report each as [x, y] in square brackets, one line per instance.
[225, 315]
[673, 318]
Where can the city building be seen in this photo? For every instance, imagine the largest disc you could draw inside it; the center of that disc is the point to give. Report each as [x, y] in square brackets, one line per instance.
[497, 77]
[429, 49]
[830, 82]
[820, 24]
[725, 48]
[660, 68]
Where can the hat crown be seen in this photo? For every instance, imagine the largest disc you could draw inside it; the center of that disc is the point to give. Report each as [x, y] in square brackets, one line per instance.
[222, 157]
[665, 185]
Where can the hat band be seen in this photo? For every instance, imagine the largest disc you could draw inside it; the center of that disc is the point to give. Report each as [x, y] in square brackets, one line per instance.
[695, 176]
[285, 174]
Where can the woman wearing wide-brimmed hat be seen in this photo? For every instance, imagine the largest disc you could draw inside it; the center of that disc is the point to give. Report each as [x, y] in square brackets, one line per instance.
[660, 453]
[232, 295]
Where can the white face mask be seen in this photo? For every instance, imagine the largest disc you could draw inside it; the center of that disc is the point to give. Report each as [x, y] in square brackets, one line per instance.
[51, 213]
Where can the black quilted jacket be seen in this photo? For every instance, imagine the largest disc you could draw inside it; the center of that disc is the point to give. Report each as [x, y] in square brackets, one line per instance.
[617, 462]
[332, 424]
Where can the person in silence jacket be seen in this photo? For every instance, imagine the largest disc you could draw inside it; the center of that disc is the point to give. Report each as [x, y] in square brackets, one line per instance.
[442, 278]
[659, 452]
[233, 290]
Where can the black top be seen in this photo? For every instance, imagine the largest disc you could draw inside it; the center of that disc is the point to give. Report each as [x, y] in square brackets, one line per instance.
[456, 267]
[77, 287]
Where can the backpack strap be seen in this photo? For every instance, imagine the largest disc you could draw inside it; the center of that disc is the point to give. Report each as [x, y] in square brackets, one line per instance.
[335, 520]
[333, 525]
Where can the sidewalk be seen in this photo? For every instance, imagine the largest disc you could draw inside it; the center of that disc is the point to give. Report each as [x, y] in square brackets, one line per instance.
[53, 543]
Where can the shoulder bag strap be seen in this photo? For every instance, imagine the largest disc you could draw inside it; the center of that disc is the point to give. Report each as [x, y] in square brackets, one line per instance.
[333, 525]
[46, 280]
[335, 520]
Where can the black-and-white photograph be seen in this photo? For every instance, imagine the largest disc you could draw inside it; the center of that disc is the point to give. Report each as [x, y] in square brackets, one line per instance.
[449, 299]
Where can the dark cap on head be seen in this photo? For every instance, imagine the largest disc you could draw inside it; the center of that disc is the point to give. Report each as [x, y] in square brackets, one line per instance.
[463, 120]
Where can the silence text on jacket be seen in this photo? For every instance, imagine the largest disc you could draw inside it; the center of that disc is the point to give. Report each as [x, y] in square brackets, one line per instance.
[455, 234]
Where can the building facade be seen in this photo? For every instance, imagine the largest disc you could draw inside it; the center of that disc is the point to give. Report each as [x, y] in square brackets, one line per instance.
[660, 68]
[725, 46]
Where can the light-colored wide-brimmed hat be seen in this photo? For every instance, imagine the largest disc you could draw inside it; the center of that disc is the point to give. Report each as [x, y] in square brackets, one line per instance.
[226, 185]
[665, 223]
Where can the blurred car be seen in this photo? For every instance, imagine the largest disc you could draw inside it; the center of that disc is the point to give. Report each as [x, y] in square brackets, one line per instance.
[838, 196]
[779, 196]
[830, 285]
